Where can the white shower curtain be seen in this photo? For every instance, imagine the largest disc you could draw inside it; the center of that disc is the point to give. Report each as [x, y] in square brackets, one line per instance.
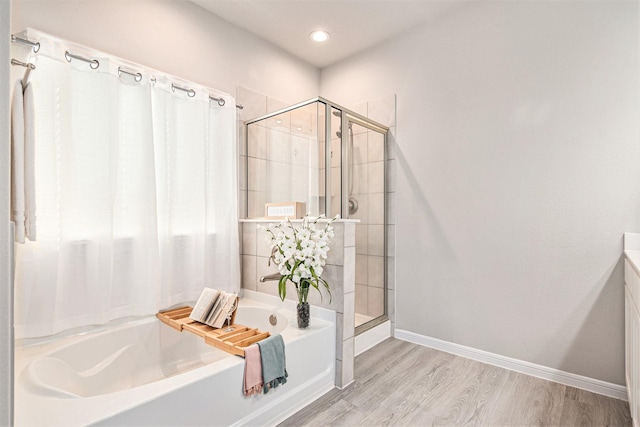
[135, 188]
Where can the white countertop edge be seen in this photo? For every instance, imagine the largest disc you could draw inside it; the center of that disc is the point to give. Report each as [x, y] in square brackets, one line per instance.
[632, 250]
[631, 242]
[633, 256]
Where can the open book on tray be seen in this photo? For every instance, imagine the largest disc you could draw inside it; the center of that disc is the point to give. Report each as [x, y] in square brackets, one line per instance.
[214, 307]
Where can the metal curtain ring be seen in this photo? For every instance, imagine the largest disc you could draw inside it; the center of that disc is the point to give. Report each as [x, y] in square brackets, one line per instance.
[93, 63]
[137, 76]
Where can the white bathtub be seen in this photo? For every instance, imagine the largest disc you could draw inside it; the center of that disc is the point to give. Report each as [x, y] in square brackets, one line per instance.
[142, 372]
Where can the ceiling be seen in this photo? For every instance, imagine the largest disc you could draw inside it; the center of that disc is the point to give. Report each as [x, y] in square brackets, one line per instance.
[354, 25]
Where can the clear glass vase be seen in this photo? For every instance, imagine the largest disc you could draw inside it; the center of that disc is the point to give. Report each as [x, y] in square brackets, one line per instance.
[303, 315]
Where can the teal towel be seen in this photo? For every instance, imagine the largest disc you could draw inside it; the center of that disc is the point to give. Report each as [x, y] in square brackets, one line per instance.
[274, 365]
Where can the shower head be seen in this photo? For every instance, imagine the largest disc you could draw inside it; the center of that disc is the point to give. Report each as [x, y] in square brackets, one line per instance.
[339, 133]
[338, 113]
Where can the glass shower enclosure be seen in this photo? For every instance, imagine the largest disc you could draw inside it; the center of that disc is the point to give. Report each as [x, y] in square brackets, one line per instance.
[332, 161]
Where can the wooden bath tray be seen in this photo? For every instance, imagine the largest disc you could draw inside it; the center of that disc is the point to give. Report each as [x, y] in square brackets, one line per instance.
[232, 342]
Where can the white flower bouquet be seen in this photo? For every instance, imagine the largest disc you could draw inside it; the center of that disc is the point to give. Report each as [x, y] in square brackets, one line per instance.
[300, 254]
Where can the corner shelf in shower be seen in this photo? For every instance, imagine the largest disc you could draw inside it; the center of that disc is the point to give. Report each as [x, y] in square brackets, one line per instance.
[232, 342]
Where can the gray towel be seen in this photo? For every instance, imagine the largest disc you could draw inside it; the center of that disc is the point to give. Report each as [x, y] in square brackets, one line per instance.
[274, 365]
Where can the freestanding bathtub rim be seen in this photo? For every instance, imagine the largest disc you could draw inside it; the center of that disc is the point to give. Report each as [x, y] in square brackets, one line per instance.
[98, 407]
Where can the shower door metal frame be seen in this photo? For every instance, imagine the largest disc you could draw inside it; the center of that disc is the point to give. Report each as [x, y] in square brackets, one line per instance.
[347, 116]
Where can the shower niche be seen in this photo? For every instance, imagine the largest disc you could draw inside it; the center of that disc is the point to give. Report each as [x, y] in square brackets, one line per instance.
[333, 161]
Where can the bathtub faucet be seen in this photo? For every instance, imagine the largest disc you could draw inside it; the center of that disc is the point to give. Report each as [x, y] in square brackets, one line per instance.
[273, 256]
[274, 276]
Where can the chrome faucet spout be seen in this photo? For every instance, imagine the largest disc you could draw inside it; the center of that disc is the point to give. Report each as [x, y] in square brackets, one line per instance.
[274, 276]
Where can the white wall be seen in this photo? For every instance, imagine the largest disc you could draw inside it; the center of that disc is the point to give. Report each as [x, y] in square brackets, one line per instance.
[6, 287]
[518, 171]
[176, 37]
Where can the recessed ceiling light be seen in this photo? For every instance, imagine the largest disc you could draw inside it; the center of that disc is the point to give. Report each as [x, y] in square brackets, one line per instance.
[319, 36]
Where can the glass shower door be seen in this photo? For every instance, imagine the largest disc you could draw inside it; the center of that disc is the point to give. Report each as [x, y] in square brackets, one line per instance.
[364, 198]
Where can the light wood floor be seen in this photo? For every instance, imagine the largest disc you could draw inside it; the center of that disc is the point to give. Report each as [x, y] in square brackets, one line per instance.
[403, 384]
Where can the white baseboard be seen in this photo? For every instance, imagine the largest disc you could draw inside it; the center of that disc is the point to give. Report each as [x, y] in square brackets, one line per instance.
[528, 368]
[370, 338]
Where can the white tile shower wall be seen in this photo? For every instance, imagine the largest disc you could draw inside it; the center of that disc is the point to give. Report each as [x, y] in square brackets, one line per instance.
[279, 145]
[339, 273]
[254, 105]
